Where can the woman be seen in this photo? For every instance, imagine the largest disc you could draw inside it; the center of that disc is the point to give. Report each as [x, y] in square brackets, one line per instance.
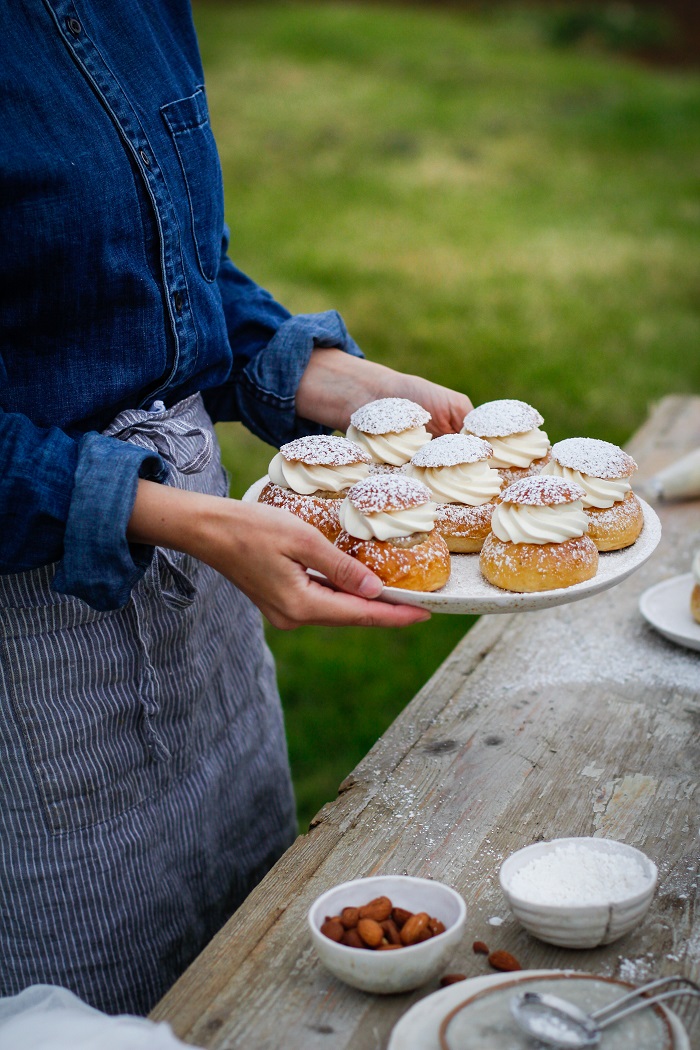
[145, 784]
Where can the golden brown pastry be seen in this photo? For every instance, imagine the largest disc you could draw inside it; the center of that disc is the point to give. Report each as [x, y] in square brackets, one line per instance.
[310, 476]
[538, 540]
[390, 430]
[512, 428]
[457, 470]
[388, 524]
[615, 516]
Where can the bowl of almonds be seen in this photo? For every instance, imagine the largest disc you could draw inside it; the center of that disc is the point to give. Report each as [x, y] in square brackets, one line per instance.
[387, 933]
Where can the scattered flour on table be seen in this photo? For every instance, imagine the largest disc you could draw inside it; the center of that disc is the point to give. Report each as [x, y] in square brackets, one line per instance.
[574, 874]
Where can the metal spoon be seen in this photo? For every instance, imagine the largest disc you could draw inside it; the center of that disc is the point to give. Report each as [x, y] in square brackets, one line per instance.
[557, 1022]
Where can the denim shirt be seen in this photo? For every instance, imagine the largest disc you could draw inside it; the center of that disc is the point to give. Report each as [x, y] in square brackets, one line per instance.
[116, 288]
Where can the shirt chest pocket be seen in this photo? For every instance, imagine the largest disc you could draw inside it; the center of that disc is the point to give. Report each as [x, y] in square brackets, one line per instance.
[188, 122]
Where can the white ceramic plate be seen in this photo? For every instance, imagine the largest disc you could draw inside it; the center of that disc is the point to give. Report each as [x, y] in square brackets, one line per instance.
[419, 1027]
[467, 591]
[666, 606]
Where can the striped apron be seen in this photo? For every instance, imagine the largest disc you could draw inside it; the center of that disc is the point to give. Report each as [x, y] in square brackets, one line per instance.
[144, 781]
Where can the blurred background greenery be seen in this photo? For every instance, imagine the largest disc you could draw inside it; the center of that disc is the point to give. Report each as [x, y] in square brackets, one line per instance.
[485, 206]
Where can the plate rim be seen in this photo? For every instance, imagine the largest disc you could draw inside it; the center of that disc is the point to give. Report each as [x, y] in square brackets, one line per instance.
[680, 582]
[680, 1039]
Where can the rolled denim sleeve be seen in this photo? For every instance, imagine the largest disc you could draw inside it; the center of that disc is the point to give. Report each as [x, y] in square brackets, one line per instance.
[68, 500]
[99, 565]
[271, 348]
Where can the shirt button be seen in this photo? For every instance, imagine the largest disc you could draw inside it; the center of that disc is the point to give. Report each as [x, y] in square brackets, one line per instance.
[145, 158]
[177, 299]
[74, 26]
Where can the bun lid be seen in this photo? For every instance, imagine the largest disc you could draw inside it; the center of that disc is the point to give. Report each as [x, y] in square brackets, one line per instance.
[502, 418]
[542, 490]
[452, 450]
[324, 450]
[388, 492]
[596, 458]
[389, 415]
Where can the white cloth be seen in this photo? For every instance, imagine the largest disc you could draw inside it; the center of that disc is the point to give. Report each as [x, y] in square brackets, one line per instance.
[45, 1017]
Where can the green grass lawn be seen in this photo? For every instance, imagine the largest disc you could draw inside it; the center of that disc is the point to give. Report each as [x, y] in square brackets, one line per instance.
[509, 218]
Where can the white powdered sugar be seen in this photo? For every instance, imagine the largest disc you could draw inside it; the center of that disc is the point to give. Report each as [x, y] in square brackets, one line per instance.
[576, 874]
[501, 418]
[387, 492]
[389, 415]
[324, 450]
[599, 459]
[451, 450]
[542, 490]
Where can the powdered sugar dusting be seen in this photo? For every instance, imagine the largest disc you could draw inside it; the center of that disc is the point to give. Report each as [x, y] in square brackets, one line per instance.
[387, 492]
[463, 515]
[542, 490]
[323, 450]
[451, 450]
[551, 565]
[314, 509]
[429, 555]
[389, 415]
[599, 459]
[501, 418]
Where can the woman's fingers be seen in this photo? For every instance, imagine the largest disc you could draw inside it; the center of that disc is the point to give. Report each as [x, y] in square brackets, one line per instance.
[328, 608]
[348, 600]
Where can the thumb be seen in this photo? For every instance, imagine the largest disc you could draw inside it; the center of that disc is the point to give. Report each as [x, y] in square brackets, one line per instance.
[344, 572]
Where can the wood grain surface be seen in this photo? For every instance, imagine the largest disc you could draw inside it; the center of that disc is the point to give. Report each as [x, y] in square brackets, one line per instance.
[579, 720]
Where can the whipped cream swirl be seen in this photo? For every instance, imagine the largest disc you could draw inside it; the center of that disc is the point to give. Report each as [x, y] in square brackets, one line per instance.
[387, 525]
[306, 478]
[519, 523]
[395, 449]
[517, 450]
[471, 483]
[600, 492]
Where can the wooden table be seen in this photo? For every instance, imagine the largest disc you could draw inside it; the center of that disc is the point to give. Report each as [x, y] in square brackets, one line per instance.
[579, 720]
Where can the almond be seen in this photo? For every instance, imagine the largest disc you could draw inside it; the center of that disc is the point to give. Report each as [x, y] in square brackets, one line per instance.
[371, 932]
[378, 909]
[332, 928]
[480, 948]
[352, 939]
[436, 927]
[413, 928]
[391, 931]
[501, 960]
[349, 917]
[400, 916]
[452, 978]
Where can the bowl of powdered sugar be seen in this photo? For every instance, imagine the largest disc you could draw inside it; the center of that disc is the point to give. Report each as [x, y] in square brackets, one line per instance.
[578, 892]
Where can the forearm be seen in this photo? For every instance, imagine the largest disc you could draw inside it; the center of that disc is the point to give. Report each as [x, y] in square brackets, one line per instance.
[167, 517]
[334, 384]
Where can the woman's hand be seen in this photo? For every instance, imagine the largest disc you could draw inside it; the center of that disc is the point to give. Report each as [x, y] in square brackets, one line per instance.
[334, 384]
[266, 555]
[265, 552]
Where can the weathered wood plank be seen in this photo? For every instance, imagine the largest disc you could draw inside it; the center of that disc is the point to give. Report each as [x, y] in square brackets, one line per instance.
[576, 720]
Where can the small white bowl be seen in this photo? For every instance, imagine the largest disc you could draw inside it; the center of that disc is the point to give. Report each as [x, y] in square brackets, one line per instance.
[582, 925]
[401, 970]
